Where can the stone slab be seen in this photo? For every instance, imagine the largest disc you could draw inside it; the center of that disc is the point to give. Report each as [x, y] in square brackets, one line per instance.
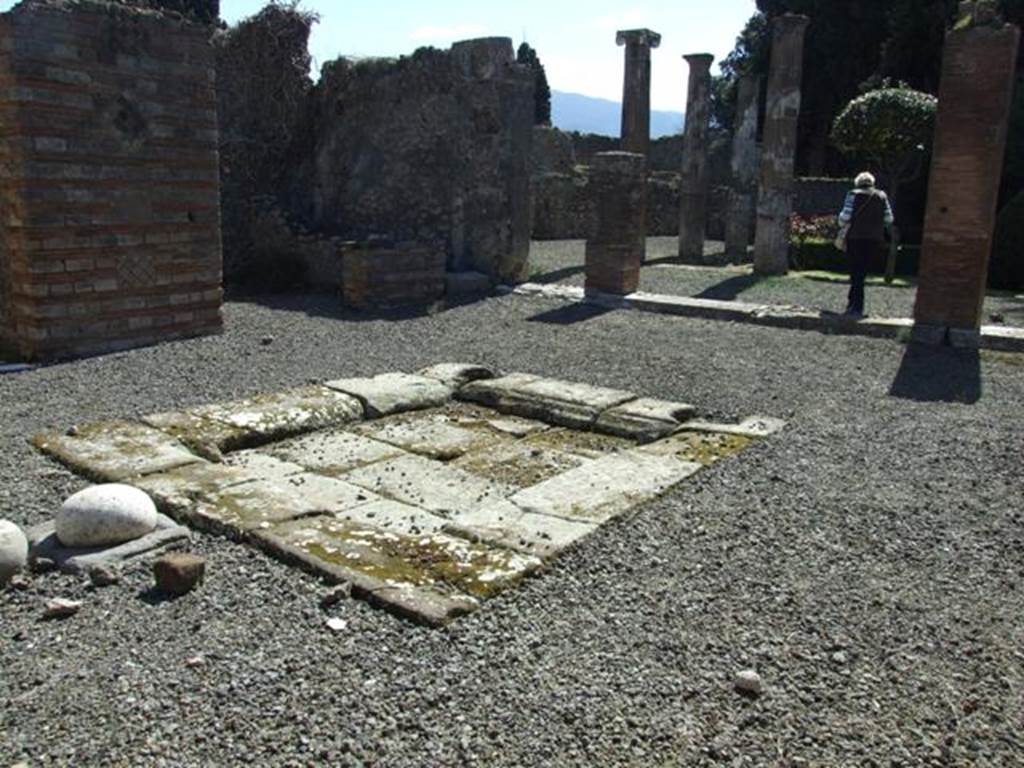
[46, 546]
[391, 515]
[394, 392]
[432, 485]
[752, 426]
[263, 465]
[333, 452]
[570, 404]
[644, 419]
[454, 375]
[587, 445]
[518, 464]
[271, 417]
[506, 525]
[324, 494]
[430, 577]
[113, 451]
[606, 488]
[205, 437]
[433, 434]
[704, 448]
[238, 510]
[175, 491]
[1003, 338]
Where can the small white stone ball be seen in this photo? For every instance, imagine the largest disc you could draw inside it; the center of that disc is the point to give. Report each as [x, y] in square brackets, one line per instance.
[13, 550]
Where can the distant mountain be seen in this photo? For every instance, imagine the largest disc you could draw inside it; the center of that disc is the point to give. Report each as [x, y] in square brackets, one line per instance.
[586, 114]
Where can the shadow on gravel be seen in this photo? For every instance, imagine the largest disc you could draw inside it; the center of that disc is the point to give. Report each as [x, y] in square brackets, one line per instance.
[557, 276]
[154, 596]
[938, 375]
[729, 289]
[574, 313]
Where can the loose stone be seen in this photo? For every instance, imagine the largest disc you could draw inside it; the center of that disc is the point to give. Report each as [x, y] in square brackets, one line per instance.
[104, 576]
[748, 681]
[336, 625]
[13, 550]
[61, 608]
[105, 515]
[178, 574]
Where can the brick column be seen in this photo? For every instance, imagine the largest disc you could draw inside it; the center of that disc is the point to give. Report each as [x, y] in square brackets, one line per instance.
[110, 203]
[975, 94]
[693, 182]
[636, 89]
[738, 224]
[615, 248]
[778, 153]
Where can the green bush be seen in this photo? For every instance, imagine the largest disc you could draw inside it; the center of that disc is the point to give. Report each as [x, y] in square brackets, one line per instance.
[1006, 267]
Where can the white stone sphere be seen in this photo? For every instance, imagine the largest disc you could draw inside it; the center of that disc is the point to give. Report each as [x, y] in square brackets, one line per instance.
[13, 550]
[105, 515]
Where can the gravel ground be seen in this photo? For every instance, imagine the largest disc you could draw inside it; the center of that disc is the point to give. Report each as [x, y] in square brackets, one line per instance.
[868, 562]
[561, 261]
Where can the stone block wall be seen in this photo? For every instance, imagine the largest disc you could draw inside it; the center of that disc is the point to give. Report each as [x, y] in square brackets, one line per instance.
[381, 276]
[109, 205]
[434, 147]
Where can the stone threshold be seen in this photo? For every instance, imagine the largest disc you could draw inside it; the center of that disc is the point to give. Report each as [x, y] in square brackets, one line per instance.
[995, 337]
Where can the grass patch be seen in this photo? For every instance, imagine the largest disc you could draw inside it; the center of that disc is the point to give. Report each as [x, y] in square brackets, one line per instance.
[825, 276]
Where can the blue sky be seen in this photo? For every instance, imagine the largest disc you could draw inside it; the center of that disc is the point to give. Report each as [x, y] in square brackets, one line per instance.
[575, 40]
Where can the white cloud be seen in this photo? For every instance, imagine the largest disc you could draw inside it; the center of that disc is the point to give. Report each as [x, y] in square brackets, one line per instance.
[454, 32]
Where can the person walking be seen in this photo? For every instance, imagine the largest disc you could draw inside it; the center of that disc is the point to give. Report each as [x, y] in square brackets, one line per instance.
[868, 216]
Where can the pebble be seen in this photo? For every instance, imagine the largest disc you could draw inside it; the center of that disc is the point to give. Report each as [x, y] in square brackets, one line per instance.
[61, 608]
[178, 573]
[337, 625]
[104, 576]
[195, 662]
[748, 681]
[103, 515]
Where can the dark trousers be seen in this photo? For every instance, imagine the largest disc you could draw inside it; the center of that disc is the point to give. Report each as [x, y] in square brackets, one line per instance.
[858, 253]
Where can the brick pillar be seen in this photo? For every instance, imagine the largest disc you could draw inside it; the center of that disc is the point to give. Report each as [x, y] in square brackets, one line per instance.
[693, 182]
[636, 89]
[975, 94]
[110, 200]
[778, 152]
[738, 224]
[615, 248]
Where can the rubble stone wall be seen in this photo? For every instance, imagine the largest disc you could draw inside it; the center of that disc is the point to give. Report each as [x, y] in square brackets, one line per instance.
[109, 206]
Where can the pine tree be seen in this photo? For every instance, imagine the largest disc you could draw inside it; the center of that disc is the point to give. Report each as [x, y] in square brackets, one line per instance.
[542, 92]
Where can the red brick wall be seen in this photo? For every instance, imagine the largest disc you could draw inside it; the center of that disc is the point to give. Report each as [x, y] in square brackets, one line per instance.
[970, 139]
[109, 200]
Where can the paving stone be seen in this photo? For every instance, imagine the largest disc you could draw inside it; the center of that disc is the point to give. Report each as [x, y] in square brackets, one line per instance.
[175, 491]
[704, 448]
[205, 437]
[46, 546]
[326, 494]
[333, 452]
[505, 524]
[391, 515]
[644, 419]
[111, 451]
[429, 484]
[431, 578]
[431, 433]
[517, 464]
[454, 375]
[589, 445]
[241, 509]
[605, 488]
[263, 465]
[752, 426]
[566, 403]
[266, 418]
[394, 392]
[517, 426]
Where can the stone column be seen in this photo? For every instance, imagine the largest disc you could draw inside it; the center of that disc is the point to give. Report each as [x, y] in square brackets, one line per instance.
[615, 248]
[738, 223]
[636, 89]
[975, 94]
[778, 151]
[693, 182]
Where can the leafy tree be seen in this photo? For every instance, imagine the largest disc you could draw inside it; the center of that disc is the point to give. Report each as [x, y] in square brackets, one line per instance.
[889, 128]
[541, 92]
